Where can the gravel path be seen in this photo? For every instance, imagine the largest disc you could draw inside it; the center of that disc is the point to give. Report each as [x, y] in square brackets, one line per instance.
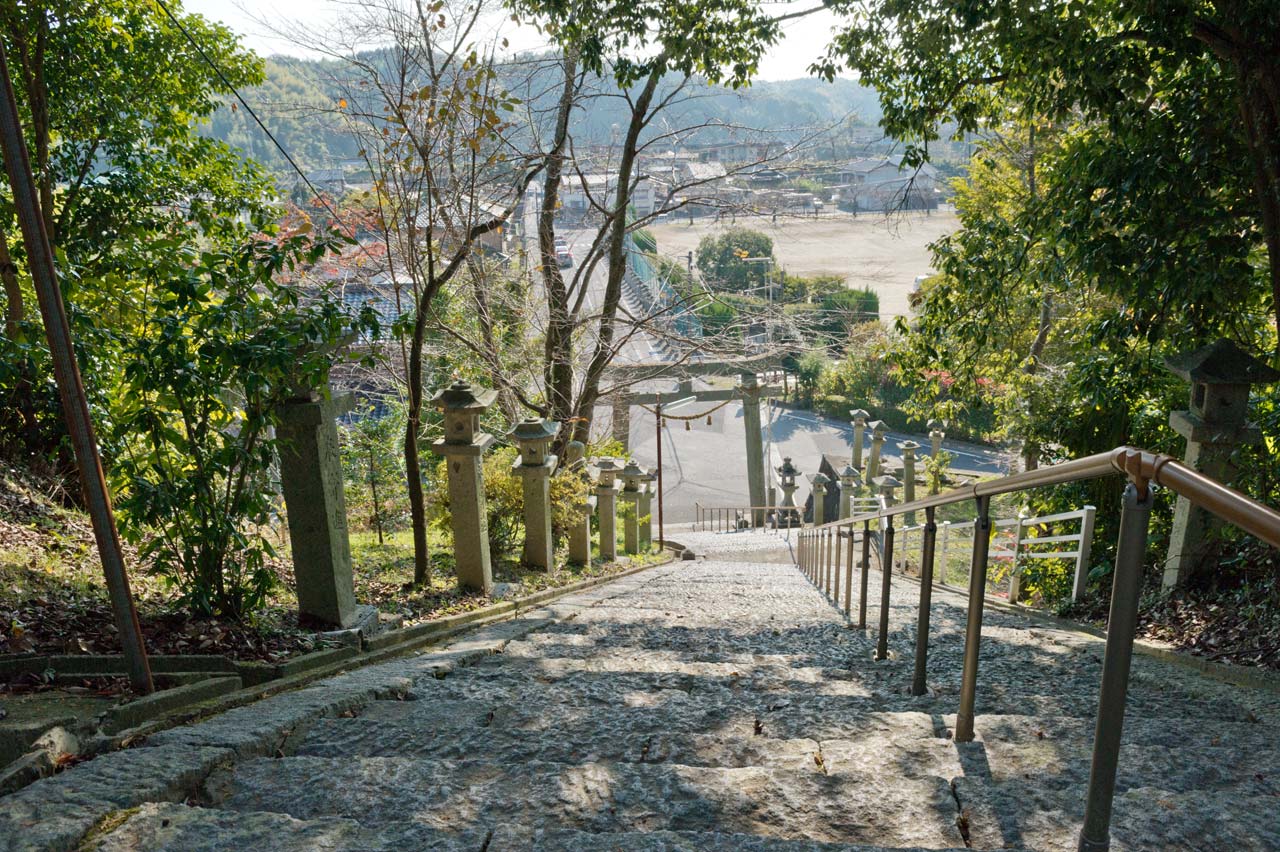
[709, 705]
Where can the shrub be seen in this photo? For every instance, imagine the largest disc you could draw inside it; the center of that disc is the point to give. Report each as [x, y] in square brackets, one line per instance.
[225, 344]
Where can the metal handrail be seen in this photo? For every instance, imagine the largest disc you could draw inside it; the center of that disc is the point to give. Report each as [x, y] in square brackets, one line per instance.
[1142, 468]
[724, 518]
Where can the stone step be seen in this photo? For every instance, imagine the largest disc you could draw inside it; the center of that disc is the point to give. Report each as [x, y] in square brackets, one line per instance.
[182, 828]
[479, 731]
[1047, 818]
[452, 796]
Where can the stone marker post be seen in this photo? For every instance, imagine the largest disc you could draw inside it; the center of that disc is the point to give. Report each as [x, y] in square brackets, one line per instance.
[819, 481]
[848, 484]
[631, 487]
[646, 510]
[751, 391]
[1215, 425]
[311, 478]
[580, 531]
[787, 473]
[534, 436]
[463, 447]
[859, 420]
[607, 505]
[909, 477]
[878, 430]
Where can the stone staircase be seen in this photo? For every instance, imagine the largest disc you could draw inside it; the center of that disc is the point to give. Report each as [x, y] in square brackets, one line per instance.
[725, 705]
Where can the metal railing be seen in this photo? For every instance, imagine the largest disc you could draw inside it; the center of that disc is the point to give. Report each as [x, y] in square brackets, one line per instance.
[1013, 545]
[819, 550]
[730, 518]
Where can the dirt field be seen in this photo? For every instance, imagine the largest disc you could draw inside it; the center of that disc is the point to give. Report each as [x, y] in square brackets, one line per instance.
[885, 254]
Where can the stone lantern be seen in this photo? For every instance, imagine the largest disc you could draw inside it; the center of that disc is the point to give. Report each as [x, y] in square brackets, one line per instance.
[580, 531]
[607, 488]
[463, 446]
[878, 430]
[533, 436]
[849, 480]
[886, 486]
[859, 420]
[936, 434]
[819, 482]
[632, 485]
[1216, 424]
[787, 473]
[909, 476]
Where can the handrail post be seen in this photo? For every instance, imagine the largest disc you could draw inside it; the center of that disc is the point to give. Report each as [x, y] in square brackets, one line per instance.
[866, 566]
[1131, 550]
[1083, 552]
[1015, 576]
[973, 630]
[886, 577]
[835, 570]
[848, 574]
[918, 685]
[830, 567]
[946, 541]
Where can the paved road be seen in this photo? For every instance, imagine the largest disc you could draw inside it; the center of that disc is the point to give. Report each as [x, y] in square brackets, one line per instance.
[716, 705]
[704, 464]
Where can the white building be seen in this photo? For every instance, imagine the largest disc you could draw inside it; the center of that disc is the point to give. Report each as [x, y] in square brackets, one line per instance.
[584, 195]
[882, 184]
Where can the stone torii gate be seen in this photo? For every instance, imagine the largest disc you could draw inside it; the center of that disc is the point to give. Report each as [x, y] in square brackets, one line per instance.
[749, 391]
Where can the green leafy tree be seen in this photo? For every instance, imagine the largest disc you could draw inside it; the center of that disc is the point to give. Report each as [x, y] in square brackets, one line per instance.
[1167, 193]
[223, 345]
[722, 259]
[111, 93]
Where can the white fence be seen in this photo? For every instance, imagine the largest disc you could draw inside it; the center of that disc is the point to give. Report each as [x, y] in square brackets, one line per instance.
[1014, 543]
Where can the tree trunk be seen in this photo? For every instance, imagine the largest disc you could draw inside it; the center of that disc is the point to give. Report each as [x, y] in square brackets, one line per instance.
[412, 465]
[603, 353]
[558, 351]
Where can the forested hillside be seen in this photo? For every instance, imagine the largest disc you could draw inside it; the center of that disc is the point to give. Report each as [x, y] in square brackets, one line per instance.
[299, 101]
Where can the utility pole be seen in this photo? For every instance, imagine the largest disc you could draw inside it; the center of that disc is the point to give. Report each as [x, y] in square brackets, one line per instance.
[70, 386]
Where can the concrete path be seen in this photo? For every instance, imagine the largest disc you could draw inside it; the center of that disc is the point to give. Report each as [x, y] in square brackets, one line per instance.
[709, 705]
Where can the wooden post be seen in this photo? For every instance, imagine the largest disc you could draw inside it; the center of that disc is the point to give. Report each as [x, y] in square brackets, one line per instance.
[75, 407]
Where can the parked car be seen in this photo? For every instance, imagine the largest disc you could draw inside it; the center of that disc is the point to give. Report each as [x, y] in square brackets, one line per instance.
[564, 257]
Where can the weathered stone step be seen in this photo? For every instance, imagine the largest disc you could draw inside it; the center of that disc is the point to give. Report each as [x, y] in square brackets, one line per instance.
[1047, 818]
[452, 796]
[467, 731]
[164, 827]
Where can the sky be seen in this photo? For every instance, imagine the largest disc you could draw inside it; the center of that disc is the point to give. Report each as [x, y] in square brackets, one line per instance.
[805, 38]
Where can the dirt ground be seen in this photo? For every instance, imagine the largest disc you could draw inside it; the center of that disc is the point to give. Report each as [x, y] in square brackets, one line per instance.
[883, 253]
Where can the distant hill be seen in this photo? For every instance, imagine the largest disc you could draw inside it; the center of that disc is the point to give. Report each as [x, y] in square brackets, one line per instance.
[299, 97]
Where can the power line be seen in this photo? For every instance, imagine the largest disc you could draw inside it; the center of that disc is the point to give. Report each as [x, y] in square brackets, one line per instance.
[218, 71]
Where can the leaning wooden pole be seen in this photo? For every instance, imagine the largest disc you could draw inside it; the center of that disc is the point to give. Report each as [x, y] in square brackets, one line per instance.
[70, 386]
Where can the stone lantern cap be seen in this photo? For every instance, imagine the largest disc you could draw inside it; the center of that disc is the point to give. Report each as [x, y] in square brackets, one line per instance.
[849, 474]
[632, 475]
[879, 427]
[908, 446]
[460, 396]
[858, 415]
[1221, 363]
[886, 483]
[534, 435]
[935, 425]
[607, 468]
[819, 480]
[787, 470]
[462, 407]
